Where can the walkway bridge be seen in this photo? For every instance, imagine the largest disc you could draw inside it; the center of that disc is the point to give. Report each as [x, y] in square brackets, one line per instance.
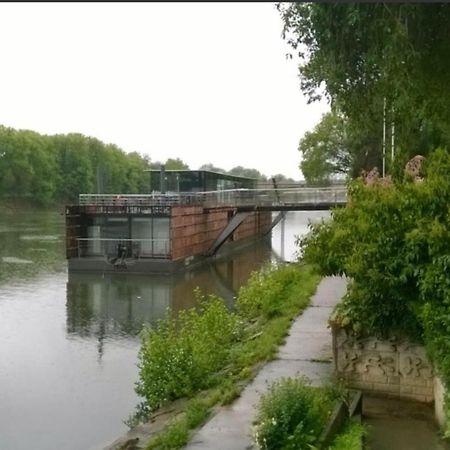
[274, 199]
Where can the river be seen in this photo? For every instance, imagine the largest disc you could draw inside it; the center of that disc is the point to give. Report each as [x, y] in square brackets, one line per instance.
[69, 342]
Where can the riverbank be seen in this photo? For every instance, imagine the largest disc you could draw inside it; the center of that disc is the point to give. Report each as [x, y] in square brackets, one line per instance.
[306, 352]
[268, 304]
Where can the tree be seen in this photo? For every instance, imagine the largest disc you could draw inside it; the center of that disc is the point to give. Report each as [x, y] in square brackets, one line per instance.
[370, 55]
[245, 172]
[16, 171]
[58, 168]
[76, 173]
[212, 168]
[176, 164]
[280, 178]
[325, 150]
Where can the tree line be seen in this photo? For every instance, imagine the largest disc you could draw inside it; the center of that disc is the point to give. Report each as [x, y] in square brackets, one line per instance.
[240, 171]
[51, 169]
[385, 70]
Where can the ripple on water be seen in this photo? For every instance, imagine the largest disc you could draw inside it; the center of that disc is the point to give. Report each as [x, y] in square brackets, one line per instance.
[7, 229]
[14, 260]
[47, 237]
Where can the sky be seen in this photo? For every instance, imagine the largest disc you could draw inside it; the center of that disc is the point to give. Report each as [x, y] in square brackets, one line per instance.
[204, 82]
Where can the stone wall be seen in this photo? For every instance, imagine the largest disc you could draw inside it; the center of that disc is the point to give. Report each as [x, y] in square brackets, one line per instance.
[392, 367]
[439, 401]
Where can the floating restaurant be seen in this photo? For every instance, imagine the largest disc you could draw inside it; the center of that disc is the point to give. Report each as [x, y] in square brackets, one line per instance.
[189, 215]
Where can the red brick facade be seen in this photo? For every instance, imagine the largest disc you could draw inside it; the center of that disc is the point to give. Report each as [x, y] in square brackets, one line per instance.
[193, 229]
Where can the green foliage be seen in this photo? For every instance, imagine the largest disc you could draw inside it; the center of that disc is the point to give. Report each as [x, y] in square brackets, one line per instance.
[175, 436]
[49, 169]
[227, 361]
[325, 150]
[175, 164]
[292, 415]
[269, 292]
[394, 243]
[212, 168]
[380, 241]
[281, 178]
[362, 53]
[180, 355]
[350, 438]
[240, 171]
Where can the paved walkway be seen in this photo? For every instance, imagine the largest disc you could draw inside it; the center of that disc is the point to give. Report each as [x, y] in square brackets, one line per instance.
[307, 351]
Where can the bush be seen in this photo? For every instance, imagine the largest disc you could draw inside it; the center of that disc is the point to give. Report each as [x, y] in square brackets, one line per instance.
[393, 241]
[292, 415]
[180, 355]
[269, 292]
[215, 349]
[350, 438]
[383, 241]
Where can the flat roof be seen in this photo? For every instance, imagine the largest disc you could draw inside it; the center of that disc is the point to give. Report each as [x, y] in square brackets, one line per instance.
[237, 177]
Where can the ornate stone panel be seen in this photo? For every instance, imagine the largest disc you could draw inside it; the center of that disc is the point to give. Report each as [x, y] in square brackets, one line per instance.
[391, 366]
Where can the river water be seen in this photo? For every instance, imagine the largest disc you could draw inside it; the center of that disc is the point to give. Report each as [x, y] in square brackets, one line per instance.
[69, 342]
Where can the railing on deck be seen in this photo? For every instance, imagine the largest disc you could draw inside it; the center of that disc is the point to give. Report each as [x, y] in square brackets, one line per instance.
[231, 197]
[115, 249]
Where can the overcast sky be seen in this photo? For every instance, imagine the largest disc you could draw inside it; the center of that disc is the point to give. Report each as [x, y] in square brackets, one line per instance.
[208, 83]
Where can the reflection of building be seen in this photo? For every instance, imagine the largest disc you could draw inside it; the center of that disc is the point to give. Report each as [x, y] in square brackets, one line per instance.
[117, 306]
[164, 231]
[114, 305]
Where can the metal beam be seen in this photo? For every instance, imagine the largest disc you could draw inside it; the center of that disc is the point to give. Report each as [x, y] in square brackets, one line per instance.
[324, 206]
[229, 229]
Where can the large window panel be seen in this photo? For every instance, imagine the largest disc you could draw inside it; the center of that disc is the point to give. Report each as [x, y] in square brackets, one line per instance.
[161, 235]
[142, 230]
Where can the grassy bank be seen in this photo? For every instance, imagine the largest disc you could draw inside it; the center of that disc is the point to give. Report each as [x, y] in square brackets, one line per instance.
[206, 356]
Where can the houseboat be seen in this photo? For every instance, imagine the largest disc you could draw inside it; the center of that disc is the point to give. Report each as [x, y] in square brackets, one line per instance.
[187, 216]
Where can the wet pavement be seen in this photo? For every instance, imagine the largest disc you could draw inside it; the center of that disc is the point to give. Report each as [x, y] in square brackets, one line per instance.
[306, 352]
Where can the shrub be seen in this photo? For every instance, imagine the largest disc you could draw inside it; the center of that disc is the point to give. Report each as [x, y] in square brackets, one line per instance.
[350, 438]
[215, 349]
[180, 355]
[269, 292]
[292, 415]
[382, 240]
[393, 241]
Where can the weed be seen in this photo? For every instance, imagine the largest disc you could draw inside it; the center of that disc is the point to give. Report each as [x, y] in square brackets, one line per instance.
[292, 414]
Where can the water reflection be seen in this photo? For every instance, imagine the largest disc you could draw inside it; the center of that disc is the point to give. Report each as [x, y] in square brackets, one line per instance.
[110, 306]
[31, 243]
[68, 346]
[295, 224]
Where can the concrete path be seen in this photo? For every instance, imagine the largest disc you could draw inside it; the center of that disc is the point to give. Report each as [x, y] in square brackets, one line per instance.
[307, 351]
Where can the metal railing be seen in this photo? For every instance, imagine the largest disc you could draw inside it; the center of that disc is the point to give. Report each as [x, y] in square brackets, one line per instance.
[232, 197]
[115, 249]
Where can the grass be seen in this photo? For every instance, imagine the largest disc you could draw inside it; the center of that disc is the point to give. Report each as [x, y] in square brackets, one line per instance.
[350, 438]
[267, 305]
